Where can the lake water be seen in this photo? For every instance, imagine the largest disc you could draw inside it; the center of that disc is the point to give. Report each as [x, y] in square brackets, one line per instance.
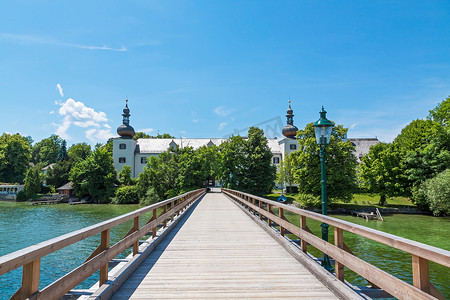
[22, 225]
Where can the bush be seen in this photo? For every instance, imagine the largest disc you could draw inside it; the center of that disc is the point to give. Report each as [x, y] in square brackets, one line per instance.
[309, 200]
[126, 195]
[438, 193]
[151, 197]
[21, 196]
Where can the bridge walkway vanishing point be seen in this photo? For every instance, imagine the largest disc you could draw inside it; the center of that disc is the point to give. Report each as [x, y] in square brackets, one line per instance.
[219, 252]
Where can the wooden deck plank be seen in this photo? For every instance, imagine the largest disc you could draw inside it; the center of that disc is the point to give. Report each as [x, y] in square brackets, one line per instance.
[221, 253]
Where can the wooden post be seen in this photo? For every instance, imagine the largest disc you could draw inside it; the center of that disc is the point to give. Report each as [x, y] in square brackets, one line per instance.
[30, 278]
[104, 244]
[269, 209]
[154, 228]
[421, 274]
[260, 206]
[136, 228]
[172, 205]
[165, 219]
[253, 202]
[282, 217]
[178, 202]
[303, 243]
[339, 242]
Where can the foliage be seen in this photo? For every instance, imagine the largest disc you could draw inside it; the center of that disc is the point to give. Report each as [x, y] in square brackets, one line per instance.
[162, 173]
[80, 151]
[125, 176]
[15, 153]
[33, 181]
[381, 171]
[151, 197]
[309, 200]
[286, 171]
[62, 153]
[126, 195]
[21, 196]
[46, 151]
[95, 176]
[141, 135]
[59, 174]
[441, 113]
[246, 164]
[435, 193]
[413, 136]
[340, 163]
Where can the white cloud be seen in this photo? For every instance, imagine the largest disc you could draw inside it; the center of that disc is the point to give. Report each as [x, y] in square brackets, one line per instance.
[222, 125]
[30, 39]
[60, 90]
[146, 130]
[52, 112]
[76, 113]
[195, 120]
[353, 126]
[222, 111]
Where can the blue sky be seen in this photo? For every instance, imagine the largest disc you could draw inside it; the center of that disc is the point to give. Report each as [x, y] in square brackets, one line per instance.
[211, 68]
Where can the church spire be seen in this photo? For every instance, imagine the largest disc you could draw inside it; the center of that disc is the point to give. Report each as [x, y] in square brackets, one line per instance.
[125, 130]
[290, 131]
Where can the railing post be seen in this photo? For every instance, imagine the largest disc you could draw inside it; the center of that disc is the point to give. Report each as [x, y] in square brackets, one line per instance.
[172, 205]
[30, 278]
[260, 207]
[303, 243]
[154, 228]
[269, 209]
[421, 273]
[104, 244]
[282, 217]
[136, 228]
[339, 242]
[165, 219]
[253, 202]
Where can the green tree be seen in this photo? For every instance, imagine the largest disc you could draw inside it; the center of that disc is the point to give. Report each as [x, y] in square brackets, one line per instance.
[125, 176]
[162, 173]
[95, 176]
[141, 135]
[341, 164]
[126, 195]
[381, 171]
[441, 113]
[33, 182]
[233, 155]
[286, 171]
[15, 153]
[434, 194]
[46, 151]
[80, 151]
[59, 174]
[62, 153]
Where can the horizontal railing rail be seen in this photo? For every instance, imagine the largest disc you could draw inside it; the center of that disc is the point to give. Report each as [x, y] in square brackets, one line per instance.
[30, 257]
[422, 288]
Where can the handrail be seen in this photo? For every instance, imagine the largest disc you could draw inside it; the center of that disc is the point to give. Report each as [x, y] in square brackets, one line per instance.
[421, 253]
[30, 257]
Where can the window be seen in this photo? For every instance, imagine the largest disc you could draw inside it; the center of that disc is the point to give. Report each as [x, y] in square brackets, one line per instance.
[276, 160]
[143, 160]
[122, 160]
[122, 146]
[293, 147]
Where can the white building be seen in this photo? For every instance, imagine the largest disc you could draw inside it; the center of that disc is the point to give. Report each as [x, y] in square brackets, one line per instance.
[128, 152]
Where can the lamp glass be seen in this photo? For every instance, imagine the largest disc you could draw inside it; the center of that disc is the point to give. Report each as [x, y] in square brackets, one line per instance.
[323, 134]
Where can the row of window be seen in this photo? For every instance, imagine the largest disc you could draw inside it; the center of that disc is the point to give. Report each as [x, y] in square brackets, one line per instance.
[123, 160]
[292, 146]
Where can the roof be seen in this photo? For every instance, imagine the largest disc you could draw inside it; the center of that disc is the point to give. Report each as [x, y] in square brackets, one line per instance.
[362, 146]
[67, 186]
[148, 146]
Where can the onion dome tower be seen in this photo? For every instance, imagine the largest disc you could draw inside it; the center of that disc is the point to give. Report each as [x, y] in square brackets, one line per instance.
[125, 130]
[290, 131]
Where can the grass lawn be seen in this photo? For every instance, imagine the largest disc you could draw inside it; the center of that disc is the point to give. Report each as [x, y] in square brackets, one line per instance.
[363, 200]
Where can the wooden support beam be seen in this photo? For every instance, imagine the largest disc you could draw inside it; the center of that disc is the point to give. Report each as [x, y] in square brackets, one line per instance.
[136, 228]
[339, 242]
[165, 220]
[421, 273]
[104, 243]
[260, 206]
[303, 243]
[154, 228]
[30, 279]
[269, 209]
[281, 210]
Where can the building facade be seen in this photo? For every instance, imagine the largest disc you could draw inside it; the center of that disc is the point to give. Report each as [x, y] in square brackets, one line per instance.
[135, 153]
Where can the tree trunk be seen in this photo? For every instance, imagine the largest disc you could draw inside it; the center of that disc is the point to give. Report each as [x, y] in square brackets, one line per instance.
[382, 200]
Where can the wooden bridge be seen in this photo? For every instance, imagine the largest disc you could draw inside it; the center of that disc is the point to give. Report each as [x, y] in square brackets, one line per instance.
[223, 245]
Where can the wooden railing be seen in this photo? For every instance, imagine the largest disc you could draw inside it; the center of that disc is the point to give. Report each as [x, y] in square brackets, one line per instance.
[422, 288]
[30, 257]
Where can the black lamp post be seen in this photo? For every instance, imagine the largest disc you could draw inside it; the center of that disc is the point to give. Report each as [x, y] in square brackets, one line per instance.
[322, 129]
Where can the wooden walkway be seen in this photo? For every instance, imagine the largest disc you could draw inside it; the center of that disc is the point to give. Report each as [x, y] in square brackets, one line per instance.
[219, 252]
